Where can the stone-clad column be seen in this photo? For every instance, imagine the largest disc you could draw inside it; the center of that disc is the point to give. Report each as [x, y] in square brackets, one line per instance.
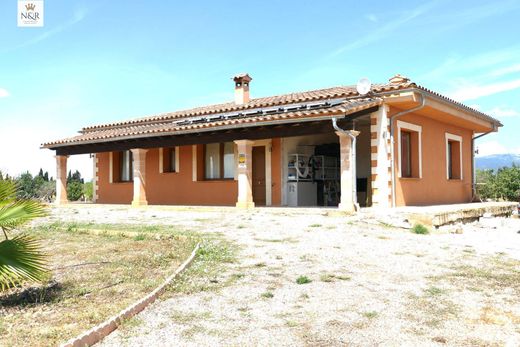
[61, 180]
[139, 167]
[245, 172]
[347, 202]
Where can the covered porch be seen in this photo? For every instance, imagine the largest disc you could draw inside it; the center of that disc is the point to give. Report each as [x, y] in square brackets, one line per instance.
[175, 170]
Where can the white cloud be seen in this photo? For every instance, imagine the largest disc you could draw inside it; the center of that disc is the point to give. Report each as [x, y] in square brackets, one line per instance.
[78, 15]
[503, 112]
[505, 70]
[371, 17]
[383, 30]
[494, 147]
[4, 93]
[475, 91]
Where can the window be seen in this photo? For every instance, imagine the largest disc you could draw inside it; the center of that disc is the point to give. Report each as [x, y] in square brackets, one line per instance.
[453, 157]
[219, 161]
[169, 159]
[406, 154]
[409, 150]
[121, 167]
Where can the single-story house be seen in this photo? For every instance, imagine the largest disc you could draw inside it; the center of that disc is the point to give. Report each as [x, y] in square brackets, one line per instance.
[393, 144]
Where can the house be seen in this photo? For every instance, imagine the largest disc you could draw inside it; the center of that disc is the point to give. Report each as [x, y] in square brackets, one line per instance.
[394, 144]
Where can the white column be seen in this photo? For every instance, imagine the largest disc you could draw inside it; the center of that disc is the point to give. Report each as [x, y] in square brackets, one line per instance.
[245, 171]
[139, 166]
[346, 170]
[61, 180]
[382, 169]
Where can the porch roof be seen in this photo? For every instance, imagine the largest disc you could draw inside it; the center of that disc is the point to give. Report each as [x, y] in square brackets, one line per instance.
[281, 109]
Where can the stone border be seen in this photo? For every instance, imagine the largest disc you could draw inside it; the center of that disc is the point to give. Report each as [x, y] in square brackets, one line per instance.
[102, 330]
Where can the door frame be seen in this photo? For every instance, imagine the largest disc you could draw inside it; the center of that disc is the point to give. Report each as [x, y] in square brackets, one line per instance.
[268, 179]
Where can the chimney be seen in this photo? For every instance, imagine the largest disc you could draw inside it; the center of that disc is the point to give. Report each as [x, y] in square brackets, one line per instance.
[398, 79]
[242, 88]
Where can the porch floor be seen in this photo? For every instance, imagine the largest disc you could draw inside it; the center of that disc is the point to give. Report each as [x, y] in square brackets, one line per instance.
[439, 215]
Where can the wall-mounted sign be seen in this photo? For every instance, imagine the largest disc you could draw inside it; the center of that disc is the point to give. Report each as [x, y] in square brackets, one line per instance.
[241, 160]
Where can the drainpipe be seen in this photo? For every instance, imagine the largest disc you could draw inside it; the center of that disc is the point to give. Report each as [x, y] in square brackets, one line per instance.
[392, 145]
[473, 168]
[353, 160]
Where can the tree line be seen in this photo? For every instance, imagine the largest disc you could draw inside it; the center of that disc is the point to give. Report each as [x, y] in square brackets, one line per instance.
[43, 187]
[501, 184]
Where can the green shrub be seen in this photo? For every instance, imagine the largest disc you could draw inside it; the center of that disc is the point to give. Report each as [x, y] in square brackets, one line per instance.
[420, 229]
[503, 184]
[303, 280]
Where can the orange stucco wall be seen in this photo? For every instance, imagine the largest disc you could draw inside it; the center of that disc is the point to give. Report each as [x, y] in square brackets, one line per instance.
[434, 187]
[179, 188]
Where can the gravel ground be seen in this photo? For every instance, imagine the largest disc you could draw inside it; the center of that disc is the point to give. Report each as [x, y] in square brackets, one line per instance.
[370, 284]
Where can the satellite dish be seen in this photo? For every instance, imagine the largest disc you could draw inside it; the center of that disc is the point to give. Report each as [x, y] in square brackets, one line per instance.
[363, 86]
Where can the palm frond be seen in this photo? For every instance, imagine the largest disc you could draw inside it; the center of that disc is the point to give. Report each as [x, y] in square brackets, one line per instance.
[21, 259]
[19, 212]
[7, 192]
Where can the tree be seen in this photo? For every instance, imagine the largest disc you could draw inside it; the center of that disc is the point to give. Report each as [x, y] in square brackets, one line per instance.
[74, 186]
[88, 191]
[26, 186]
[504, 184]
[21, 257]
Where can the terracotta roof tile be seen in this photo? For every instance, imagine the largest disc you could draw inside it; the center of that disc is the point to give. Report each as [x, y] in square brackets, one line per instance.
[164, 123]
[168, 127]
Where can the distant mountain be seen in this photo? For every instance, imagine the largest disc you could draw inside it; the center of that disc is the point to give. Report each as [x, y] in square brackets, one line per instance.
[496, 161]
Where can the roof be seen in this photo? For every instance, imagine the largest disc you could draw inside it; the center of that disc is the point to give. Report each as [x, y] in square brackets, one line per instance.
[286, 108]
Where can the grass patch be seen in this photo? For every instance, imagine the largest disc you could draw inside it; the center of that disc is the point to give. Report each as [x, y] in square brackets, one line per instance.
[370, 314]
[303, 280]
[208, 271]
[333, 277]
[267, 295]
[291, 323]
[420, 229]
[492, 274]
[434, 291]
[89, 271]
[315, 225]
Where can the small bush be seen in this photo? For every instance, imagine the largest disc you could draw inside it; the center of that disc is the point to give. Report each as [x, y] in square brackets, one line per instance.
[267, 295]
[303, 280]
[420, 229]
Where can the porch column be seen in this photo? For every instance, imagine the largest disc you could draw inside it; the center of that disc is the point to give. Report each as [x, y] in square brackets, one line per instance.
[139, 167]
[381, 160]
[346, 169]
[245, 172]
[61, 180]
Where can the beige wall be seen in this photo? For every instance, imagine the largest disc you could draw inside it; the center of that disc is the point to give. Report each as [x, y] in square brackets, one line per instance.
[434, 187]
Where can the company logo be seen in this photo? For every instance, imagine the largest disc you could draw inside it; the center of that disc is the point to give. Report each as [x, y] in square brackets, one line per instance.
[30, 13]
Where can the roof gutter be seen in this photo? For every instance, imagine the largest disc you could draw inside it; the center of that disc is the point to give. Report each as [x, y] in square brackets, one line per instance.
[392, 142]
[352, 160]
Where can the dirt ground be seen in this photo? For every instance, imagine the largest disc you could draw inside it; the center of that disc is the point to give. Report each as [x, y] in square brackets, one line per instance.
[313, 277]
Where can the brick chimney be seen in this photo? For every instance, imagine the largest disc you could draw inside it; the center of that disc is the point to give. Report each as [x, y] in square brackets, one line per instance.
[242, 88]
[398, 79]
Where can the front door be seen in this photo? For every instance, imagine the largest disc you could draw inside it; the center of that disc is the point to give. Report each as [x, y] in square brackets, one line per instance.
[259, 175]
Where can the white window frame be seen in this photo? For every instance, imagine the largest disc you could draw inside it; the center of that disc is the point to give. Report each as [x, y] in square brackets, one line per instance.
[412, 127]
[161, 160]
[457, 138]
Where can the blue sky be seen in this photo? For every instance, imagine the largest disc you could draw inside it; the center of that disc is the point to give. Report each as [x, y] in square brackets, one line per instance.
[101, 61]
